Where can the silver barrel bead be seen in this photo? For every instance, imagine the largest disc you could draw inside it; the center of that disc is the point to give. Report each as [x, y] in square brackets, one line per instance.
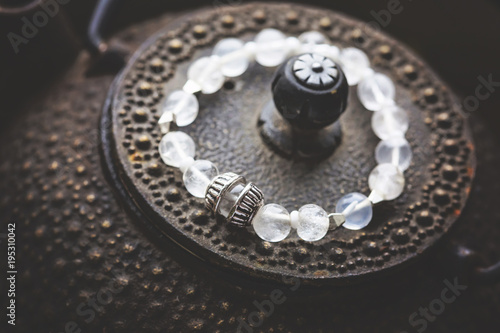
[230, 196]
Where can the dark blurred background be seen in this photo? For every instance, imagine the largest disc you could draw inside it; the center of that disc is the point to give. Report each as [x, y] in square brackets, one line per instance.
[459, 39]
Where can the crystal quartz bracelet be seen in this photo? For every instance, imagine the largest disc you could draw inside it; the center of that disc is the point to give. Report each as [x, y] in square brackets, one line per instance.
[241, 202]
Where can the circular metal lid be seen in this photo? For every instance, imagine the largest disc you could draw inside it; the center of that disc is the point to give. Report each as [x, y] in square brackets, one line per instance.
[226, 132]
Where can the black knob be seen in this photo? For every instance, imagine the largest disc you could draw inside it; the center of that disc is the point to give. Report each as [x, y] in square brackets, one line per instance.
[310, 91]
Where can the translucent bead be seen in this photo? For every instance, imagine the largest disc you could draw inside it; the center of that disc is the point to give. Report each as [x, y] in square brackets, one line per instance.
[191, 87]
[375, 198]
[186, 163]
[270, 47]
[183, 105]
[229, 199]
[166, 119]
[395, 150]
[329, 51]
[376, 91]
[355, 64]
[293, 45]
[387, 180]
[357, 210]
[294, 218]
[233, 56]
[176, 147]
[313, 37]
[307, 48]
[207, 74]
[272, 223]
[313, 223]
[390, 121]
[250, 49]
[198, 176]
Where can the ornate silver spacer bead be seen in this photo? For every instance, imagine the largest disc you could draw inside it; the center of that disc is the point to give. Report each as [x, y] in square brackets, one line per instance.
[249, 202]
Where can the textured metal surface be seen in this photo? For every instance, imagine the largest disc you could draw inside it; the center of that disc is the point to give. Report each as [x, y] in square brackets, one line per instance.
[74, 237]
[226, 133]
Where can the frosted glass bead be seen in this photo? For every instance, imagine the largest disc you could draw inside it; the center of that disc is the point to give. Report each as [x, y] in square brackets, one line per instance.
[185, 164]
[250, 49]
[183, 105]
[294, 218]
[376, 91]
[355, 64]
[176, 147]
[191, 87]
[308, 48]
[271, 50]
[313, 37]
[207, 74]
[198, 176]
[390, 121]
[387, 180]
[329, 51]
[357, 210]
[395, 150]
[229, 199]
[272, 223]
[375, 198]
[166, 119]
[293, 45]
[233, 56]
[313, 223]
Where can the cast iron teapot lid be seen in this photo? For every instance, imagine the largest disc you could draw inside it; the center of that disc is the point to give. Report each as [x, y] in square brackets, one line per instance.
[231, 132]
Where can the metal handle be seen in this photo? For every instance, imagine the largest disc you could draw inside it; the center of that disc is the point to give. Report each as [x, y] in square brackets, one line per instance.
[108, 59]
[490, 274]
[98, 23]
[472, 264]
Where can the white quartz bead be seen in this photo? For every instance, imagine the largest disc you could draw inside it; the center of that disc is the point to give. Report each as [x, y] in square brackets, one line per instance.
[166, 119]
[375, 198]
[307, 48]
[313, 37]
[175, 147]
[395, 150]
[250, 49]
[186, 163]
[207, 74]
[390, 121]
[294, 218]
[387, 180]
[313, 223]
[183, 105]
[293, 45]
[329, 51]
[357, 210]
[191, 87]
[271, 50]
[198, 176]
[234, 60]
[272, 223]
[355, 64]
[376, 91]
